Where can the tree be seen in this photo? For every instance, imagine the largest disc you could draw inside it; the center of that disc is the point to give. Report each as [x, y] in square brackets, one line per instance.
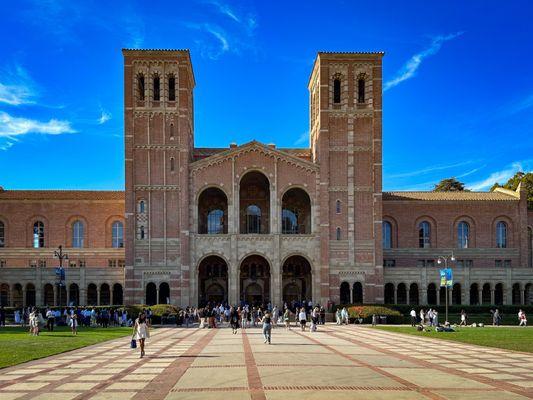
[450, 185]
[514, 181]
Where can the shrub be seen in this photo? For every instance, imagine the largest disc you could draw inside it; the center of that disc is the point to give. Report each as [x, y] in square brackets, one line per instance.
[368, 311]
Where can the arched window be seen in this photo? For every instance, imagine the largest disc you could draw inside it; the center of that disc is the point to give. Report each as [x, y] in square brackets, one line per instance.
[117, 234]
[142, 207]
[78, 231]
[171, 134]
[463, 235]
[141, 233]
[338, 234]
[157, 88]
[338, 206]
[387, 234]
[336, 91]
[424, 235]
[253, 219]
[171, 164]
[361, 90]
[140, 86]
[501, 235]
[2, 234]
[215, 222]
[171, 88]
[38, 234]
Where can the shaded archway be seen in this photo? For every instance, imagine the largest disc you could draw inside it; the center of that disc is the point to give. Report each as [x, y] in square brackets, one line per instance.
[432, 294]
[528, 294]
[474, 294]
[456, 293]
[401, 293]
[16, 295]
[105, 294]
[357, 293]
[255, 272]
[74, 294]
[345, 293]
[212, 280]
[442, 295]
[516, 294]
[212, 212]
[164, 293]
[498, 294]
[4, 295]
[92, 295]
[151, 294]
[296, 280]
[61, 295]
[389, 293]
[485, 294]
[48, 295]
[254, 203]
[30, 295]
[118, 294]
[413, 294]
[296, 212]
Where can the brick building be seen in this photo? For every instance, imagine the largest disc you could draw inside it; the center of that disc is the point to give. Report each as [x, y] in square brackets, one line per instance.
[259, 223]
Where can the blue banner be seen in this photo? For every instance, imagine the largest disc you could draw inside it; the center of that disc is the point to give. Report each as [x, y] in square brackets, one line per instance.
[446, 277]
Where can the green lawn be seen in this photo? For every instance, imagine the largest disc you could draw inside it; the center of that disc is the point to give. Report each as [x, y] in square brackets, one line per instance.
[17, 346]
[519, 339]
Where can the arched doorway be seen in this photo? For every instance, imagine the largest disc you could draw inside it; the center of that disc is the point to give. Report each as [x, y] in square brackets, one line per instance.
[4, 295]
[528, 294]
[254, 203]
[442, 295]
[296, 280]
[413, 294]
[255, 272]
[92, 295]
[432, 294]
[516, 294]
[212, 212]
[30, 295]
[48, 297]
[61, 295]
[456, 293]
[498, 294]
[16, 295]
[485, 294]
[151, 294]
[74, 294]
[474, 294]
[295, 212]
[212, 281]
[118, 296]
[357, 293]
[401, 293]
[345, 293]
[389, 293]
[164, 293]
[105, 295]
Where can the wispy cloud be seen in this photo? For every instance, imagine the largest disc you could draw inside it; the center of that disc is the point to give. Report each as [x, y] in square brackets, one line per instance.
[302, 139]
[247, 20]
[428, 170]
[224, 9]
[208, 48]
[17, 87]
[472, 171]
[520, 106]
[410, 67]
[501, 176]
[104, 117]
[12, 127]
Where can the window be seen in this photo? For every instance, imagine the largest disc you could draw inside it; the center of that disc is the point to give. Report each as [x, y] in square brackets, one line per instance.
[465, 263]
[507, 263]
[81, 263]
[33, 264]
[336, 91]
[389, 263]
[215, 222]
[72, 264]
[338, 234]
[463, 235]
[142, 207]
[289, 221]
[157, 91]
[38, 234]
[501, 235]
[171, 88]
[42, 263]
[387, 234]
[2, 234]
[361, 90]
[140, 86]
[141, 233]
[121, 263]
[77, 234]
[253, 219]
[3, 263]
[117, 234]
[338, 206]
[171, 164]
[424, 235]
[171, 134]
[112, 263]
[425, 263]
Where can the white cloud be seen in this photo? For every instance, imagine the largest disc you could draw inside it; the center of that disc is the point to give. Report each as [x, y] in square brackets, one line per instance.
[207, 48]
[11, 127]
[104, 117]
[520, 106]
[500, 176]
[427, 170]
[17, 87]
[302, 139]
[410, 67]
[225, 9]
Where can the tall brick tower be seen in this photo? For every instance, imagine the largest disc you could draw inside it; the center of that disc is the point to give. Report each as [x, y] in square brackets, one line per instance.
[158, 107]
[345, 130]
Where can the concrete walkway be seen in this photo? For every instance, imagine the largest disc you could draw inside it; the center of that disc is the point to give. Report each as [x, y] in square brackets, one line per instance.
[338, 362]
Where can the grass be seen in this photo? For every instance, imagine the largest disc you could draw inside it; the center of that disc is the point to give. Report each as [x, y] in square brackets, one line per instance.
[17, 346]
[509, 338]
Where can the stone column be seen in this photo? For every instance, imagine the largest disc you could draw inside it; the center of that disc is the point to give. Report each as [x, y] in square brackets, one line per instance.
[408, 296]
[55, 294]
[83, 296]
[97, 295]
[157, 294]
[395, 295]
[423, 296]
[523, 297]
[68, 294]
[480, 296]
[351, 294]
[438, 295]
[23, 297]
[111, 295]
[492, 296]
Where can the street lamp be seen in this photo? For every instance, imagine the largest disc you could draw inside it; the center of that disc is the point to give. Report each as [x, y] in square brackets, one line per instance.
[440, 260]
[60, 272]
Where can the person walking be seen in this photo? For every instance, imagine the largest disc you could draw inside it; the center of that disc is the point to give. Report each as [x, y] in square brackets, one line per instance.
[463, 318]
[302, 317]
[141, 331]
[50, 319]
[413, 317]
[33, 322]
[234, 319]
[74, 324]
[267, 326]
[522, 318]
[287, 319]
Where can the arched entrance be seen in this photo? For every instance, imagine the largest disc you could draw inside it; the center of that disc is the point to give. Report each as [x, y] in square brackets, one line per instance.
[212, 212]
[151, 294]
[456, 294]
[74, 294]
[48, 295]
[401, 293]
[296, 280]
[389, 293]
[254, 203]
[357, 293]
[92, 295]
[474, 294]
[30, 295]
[255, 280]
[105, 295]
[164, 293]
[413, 293]
[212, 281]
[4, 295]
[432, 294]
[345, 293]
[118, 297]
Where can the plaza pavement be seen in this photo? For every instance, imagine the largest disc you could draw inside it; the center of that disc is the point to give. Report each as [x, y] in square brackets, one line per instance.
[337, 362]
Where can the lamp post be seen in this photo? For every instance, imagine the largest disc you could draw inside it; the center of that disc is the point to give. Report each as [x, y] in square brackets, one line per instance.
[440, 260]
[60, 272]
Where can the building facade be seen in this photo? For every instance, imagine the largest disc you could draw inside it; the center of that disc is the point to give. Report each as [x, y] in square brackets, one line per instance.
[258, 223]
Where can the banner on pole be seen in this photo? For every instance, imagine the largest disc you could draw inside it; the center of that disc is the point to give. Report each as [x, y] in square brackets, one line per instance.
[446, 277]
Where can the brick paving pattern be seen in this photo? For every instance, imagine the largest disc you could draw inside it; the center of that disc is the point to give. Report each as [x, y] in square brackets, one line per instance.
[336, 362]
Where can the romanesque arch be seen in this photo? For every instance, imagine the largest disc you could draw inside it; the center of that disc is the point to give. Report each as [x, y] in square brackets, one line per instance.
[254, 280]
[254, 203]
[212, 280]
[212, 212]
[295, 212]
[296, 281]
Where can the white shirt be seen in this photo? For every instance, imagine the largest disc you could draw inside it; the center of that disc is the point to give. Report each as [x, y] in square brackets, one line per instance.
[302, 315]
[413, 313]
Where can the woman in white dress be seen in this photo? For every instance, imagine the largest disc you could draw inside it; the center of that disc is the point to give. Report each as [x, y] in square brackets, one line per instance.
[140, 331]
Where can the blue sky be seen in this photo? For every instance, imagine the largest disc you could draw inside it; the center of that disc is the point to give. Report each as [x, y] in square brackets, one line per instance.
[458, 79]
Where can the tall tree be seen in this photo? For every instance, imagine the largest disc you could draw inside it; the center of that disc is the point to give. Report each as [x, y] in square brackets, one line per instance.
[512, 184]
[449, 185]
